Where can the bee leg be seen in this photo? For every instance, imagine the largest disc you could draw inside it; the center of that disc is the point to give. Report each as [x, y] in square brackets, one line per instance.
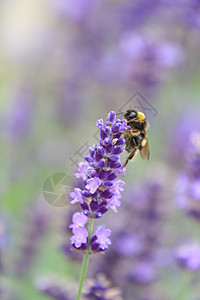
[131, 156]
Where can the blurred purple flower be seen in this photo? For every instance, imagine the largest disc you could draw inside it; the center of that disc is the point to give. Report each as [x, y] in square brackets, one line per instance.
[53, 289]
[21, 114]
[134, 14]
[195, 189]
[169, 55]
[36, 227]
[132, 45]
[181, 187]
[191, 13]
[3, 242]
[69, 99]
[141, 59]
[127, 244]
[187, 187]
[188, 256]
[76, 11]
[99, 288]
[143, 273]
[184, 128]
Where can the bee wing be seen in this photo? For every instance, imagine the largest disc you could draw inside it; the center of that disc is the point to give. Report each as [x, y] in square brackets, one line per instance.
[145, 152]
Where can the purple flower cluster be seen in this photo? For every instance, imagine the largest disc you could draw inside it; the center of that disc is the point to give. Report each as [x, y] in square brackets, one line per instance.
[101, 188]
[99, 241]
[141, 59]
[187, 187]
[100, 288]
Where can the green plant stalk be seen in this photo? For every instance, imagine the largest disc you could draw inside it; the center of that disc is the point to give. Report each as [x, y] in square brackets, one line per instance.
[85, 261]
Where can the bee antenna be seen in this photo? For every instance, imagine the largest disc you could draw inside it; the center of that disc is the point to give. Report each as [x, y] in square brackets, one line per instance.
[120, 113]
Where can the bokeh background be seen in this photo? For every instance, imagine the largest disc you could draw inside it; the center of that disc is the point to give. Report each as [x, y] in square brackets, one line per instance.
[65, 64]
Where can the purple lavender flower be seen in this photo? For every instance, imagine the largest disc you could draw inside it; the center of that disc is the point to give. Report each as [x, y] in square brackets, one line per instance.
[79, 237]
[79, 220]
[117, 187]
[71, 219]
[188, 256]
[113, 203]
[93, 184]
[77, 196]
[82, 171]
[101, 189]
[100, 240]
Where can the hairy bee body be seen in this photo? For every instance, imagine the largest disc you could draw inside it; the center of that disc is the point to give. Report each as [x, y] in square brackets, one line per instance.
[136, 137]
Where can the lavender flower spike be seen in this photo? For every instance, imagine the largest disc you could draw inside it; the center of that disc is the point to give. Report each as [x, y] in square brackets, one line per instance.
[100, 191]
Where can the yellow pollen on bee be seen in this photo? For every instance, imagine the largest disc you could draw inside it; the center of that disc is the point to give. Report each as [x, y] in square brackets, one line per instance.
[141, 116]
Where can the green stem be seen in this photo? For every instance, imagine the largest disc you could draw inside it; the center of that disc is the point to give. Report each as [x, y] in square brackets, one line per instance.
[85, 262]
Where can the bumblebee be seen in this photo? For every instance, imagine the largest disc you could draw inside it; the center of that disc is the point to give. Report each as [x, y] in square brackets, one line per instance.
[136, 137]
